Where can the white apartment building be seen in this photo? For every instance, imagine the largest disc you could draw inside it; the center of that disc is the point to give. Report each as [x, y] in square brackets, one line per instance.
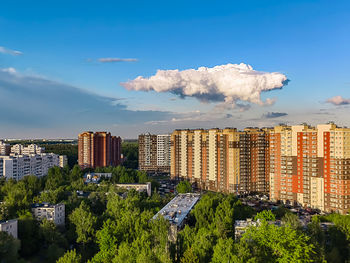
[18, 166]
[55, 213]
[163, 150]
[10, 227]
[19, 149]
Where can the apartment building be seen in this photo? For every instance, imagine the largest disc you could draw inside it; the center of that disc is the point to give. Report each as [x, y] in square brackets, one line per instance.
[55, 213]
[5, 148]
[18, 166]
[224, 160]
[311, 166]
[20, 149]
[98, 149]
[154, 153]
[10, 227]
[63, 161]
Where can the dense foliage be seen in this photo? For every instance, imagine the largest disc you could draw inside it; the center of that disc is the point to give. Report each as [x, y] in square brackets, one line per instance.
[108, 225]
[184, 187]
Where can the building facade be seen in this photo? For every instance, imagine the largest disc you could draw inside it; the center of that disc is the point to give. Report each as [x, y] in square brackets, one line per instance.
[297, 164]
[18, 166]
[10, 227]
[63, 161]
[54, 213]
[20, 149]
[311, 166]
[98, 149]
[154, 153]
[223, 160]
[5, 149]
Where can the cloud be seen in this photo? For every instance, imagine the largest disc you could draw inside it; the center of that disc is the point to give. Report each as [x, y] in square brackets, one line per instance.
[338, 101]
[33, 102]
[271, 115]
[109, 60]
[230, 84]
[10, 51]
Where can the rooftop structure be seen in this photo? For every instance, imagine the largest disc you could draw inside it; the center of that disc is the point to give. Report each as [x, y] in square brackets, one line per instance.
[146, 187]
[178, 208]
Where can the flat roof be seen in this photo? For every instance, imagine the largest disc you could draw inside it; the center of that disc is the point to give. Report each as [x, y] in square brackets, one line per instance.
[178, 208]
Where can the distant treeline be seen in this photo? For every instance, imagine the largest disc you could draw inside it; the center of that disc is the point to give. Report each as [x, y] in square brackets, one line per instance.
[70, 150]
[41, 142]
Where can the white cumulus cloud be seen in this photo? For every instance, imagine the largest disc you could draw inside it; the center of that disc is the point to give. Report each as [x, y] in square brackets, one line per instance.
[229, 83]
[338, 100]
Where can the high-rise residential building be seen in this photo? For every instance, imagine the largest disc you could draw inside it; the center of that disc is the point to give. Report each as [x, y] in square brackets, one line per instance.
[222, 160]
[311, 166]
[5, 148]
[18, 166]
[154, 153]
[98, 149]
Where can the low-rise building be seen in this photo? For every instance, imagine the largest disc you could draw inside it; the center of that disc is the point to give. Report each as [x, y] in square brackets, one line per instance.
[178, 208]
[55, 213]
[176, 212]
[10, 227]
[242, 225]
[146, 187]
[95, 177]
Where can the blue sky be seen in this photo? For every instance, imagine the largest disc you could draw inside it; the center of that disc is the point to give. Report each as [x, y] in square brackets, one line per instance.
[61, 43]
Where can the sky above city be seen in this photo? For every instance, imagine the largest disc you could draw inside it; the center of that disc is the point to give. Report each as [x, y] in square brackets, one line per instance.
[131, 67]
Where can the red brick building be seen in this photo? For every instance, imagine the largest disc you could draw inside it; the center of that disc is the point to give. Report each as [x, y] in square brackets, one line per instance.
[98, 149]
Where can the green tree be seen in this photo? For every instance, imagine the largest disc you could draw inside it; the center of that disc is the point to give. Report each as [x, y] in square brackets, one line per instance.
[70, 257]
[224, 251]
[292, 220]
[184, 187]
[28, 229]
[189, 257]
[130, 151]
[266, 215]
[84, 222]
[9, 248]
[54, 178]
[270, 243]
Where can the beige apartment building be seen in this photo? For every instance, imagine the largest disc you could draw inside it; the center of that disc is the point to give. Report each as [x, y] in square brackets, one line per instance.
[298, 164]
[311, 166]
[224, 160]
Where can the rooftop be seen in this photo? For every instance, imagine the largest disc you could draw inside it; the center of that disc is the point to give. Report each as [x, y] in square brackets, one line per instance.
[178, 208]
[44, 204]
